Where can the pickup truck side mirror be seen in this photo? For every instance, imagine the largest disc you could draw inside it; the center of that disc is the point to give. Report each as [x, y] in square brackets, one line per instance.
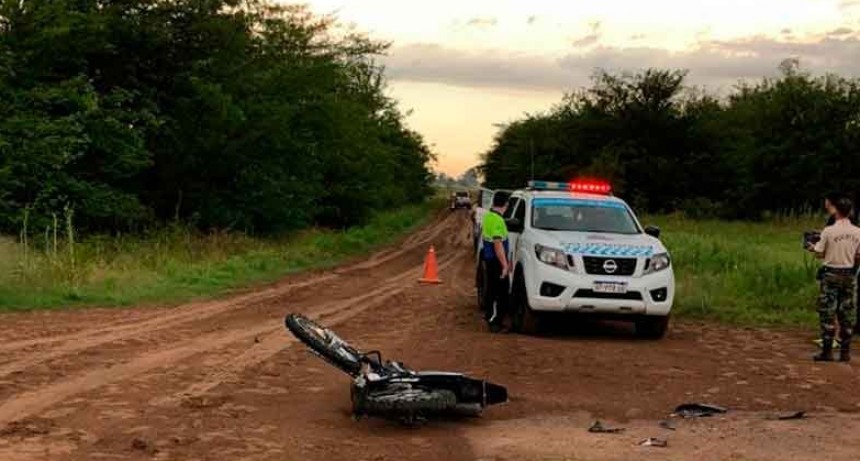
[653, 231]
[514, 225]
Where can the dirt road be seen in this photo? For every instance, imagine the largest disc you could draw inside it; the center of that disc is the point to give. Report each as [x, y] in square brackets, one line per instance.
[222, 380]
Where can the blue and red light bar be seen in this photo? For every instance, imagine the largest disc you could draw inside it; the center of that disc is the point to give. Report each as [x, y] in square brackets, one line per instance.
[587, 186]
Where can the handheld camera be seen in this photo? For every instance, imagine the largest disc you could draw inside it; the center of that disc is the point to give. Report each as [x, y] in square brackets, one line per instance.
[810, 238]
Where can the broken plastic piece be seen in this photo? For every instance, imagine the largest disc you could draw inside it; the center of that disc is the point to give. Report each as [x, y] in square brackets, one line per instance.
[669, 425]
[598, 428]
[788, 417]
[698, 410]
[654, 442]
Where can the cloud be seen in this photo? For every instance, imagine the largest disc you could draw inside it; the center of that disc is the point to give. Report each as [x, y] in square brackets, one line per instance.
[588, 40]
[841, 31]
[435, 63]
[592, 38]
[714, 63]
[482, 22]
[848, 4]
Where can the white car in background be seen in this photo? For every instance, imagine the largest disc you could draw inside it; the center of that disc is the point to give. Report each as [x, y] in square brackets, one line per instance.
[461, 199]
[577, 249]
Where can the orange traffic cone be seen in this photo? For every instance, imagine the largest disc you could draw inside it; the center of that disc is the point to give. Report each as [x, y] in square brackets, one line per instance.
[431, 269]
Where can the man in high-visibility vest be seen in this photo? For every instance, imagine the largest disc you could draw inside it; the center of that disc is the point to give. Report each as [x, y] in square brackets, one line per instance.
[494, 254]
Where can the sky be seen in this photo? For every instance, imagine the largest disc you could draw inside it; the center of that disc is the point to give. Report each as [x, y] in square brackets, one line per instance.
[461, 68]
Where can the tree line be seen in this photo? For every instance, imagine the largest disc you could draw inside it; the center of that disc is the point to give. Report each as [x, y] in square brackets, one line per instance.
[777, 145]
[229, 114]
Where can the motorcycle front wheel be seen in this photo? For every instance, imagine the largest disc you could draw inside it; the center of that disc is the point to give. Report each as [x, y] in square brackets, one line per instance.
[325, 343]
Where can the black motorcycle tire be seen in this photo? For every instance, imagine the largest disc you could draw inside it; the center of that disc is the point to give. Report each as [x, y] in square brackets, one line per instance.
[406, 403]
[325, 343]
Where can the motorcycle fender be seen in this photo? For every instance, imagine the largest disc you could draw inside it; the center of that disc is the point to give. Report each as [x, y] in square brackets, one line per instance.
[494, 394]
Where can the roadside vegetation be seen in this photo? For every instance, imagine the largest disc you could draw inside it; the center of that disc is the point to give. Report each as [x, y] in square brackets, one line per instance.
[742, 272]
[178, 263]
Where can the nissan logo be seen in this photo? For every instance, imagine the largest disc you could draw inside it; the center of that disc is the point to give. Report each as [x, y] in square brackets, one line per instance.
[610, 266]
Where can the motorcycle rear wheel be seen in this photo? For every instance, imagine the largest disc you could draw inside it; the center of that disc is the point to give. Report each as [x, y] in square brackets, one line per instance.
[404, 403]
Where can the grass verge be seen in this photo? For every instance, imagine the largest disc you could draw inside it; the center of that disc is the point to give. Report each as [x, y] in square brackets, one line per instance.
[173, 265]
[742, 273]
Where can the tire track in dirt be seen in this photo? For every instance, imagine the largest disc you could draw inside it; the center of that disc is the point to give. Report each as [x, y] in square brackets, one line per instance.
[91, 339]
[95, 337]
[411, 242]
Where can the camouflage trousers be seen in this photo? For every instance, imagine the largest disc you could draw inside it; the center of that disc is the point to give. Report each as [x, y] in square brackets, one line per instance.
[836, 304]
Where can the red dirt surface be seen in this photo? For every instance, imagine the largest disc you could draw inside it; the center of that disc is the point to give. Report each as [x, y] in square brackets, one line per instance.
[223, 380]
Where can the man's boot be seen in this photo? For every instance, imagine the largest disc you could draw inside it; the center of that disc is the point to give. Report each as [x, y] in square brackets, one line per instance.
[845, 350]
[826, 354]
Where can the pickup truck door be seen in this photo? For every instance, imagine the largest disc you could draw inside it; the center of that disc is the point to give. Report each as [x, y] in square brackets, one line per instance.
[516, 209]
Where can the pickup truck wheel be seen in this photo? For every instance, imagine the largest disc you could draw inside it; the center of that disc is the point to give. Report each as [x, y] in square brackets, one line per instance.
[652, 327]
[523, 318]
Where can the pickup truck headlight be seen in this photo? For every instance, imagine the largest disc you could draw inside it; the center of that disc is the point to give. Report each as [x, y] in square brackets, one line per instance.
[658, 263]
[551, 256]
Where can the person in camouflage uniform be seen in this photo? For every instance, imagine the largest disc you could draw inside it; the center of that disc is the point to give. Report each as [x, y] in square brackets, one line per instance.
[838, 248]
[829, 201]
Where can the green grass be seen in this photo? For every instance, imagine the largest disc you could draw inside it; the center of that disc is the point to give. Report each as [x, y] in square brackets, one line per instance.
[742, 273]
[174, 265]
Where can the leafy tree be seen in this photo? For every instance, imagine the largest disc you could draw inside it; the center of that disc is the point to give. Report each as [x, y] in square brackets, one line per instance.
[222, 113]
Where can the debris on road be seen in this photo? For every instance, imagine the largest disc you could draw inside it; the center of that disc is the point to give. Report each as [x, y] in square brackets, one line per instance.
[140, 444]
[598, 428]
[654, 442]
[789, 417]
[698, 410]
[668, 425]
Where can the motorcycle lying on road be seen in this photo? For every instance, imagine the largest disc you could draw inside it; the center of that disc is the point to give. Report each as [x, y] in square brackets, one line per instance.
[390, 389]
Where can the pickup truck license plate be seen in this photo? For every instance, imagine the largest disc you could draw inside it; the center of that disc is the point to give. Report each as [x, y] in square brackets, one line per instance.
[610, 287]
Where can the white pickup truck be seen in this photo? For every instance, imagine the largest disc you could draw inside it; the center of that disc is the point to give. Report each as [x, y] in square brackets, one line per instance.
[577, 249]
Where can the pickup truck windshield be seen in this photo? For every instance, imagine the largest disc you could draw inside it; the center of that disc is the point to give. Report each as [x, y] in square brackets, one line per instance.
[581, 215]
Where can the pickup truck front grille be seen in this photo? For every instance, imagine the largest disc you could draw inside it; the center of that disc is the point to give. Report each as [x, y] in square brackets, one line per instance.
[596, 266]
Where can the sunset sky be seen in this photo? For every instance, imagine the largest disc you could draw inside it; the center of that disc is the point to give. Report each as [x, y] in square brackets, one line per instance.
[464, 66]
